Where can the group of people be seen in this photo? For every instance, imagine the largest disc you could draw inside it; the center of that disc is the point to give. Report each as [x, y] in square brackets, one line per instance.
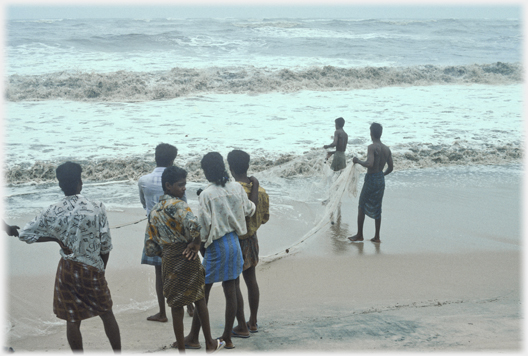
[224, 232]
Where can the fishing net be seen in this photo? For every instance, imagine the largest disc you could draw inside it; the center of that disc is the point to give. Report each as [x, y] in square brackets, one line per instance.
[344, 182]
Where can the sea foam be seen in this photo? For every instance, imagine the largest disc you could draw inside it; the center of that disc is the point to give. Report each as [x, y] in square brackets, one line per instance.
[145, 86]
[309, 164]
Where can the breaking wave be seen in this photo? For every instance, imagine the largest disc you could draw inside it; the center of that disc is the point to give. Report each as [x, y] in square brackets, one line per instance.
[177, 82]
[309, 164]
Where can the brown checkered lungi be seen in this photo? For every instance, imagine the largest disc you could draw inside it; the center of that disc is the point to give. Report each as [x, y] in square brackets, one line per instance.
[250, 251]
[183, 280]
[81, 292]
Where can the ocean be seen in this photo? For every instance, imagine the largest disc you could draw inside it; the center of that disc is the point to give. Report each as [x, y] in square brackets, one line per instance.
[105, 92]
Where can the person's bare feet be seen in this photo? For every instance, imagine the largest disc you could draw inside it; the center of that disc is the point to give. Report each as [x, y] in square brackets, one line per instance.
[174, 345]
[158, 317]
[243, 335]
[192, 344]
[356, 238]
[228, 344]
[375, 240]
[240, 331]
[216, 345]
[252, 328]
[190, 310]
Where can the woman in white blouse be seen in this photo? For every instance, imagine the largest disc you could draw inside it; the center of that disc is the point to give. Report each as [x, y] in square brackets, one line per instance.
[224, 206]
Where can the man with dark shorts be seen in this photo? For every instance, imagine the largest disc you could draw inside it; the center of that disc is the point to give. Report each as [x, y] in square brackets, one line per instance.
[372, 193]
[238, 164]
[340, 143]
[80, 227]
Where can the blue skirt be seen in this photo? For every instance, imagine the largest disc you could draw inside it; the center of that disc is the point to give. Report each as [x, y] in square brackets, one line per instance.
[223, 259]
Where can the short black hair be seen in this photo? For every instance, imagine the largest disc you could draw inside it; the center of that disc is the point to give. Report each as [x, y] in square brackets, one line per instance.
[238, 161]
[214, 168]
[340, 122]
[171, 175]
[165, 154]
[376, 130]
[69, 175]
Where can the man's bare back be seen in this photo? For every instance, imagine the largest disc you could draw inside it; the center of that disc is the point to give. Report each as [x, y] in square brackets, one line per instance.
[381, 154]
[377, 156]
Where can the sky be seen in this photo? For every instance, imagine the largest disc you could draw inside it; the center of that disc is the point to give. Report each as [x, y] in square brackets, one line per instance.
[263, 9]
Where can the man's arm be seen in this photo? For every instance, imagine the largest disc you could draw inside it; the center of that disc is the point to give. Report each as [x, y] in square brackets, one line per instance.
[192, 249]
[253, 196]
[54, 239]
[192, 229]
[105, 257]
[249, 207]
[12, 230]
[389, 164]
[370, 158]
[333, 144]
[142, 196]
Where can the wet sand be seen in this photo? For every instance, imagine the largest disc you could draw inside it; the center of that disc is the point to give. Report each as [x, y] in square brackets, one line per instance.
[446, 277]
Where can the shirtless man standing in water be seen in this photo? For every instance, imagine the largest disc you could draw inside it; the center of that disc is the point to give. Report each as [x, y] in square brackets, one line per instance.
[372, 193]
[340, 143]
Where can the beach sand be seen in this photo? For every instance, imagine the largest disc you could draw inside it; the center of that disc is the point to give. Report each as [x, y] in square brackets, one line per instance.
[446, 277]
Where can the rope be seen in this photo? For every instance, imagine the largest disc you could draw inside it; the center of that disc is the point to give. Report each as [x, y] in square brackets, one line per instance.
[132, 223]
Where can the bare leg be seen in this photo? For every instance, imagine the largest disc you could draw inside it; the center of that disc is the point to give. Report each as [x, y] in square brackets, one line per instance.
[230, 312]
[161, 316]
[73, 334]
[241, 328]
[190, 309]
[177, 324]
[203, 314]
[360, 222]
[192, 339]
[250, 278]
[112, 330]
[377, 235]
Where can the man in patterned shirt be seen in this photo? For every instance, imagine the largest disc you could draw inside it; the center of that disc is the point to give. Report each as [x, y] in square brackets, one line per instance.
[173, 227]
[150, 190]
[80, 227]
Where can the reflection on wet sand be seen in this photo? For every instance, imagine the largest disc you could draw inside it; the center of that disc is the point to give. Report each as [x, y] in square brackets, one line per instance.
[340, 243]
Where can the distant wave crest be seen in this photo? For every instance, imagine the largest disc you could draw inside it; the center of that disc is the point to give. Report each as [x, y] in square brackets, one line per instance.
[146, 86]
[309, 164]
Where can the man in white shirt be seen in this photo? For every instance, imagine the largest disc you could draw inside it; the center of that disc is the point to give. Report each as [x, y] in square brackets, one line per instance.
[80, 227]
[150, 189]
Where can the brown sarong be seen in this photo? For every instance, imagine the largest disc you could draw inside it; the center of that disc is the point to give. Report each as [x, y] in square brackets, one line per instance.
[183, 280]
[250, 251]
[81, 292]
